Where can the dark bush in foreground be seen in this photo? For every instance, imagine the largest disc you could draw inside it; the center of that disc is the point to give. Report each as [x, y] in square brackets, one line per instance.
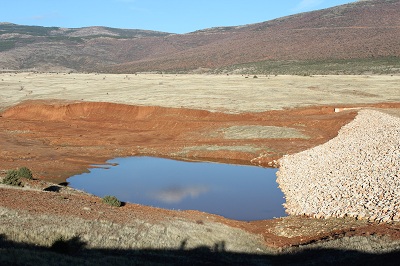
[112, 201]
[12, 178]
[25, 173]
[68, 246]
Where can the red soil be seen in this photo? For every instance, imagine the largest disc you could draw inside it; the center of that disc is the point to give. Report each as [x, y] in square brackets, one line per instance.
[58, 139]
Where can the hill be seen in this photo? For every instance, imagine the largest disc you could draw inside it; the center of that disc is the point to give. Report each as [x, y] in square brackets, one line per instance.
[355, 38]
[81, 49]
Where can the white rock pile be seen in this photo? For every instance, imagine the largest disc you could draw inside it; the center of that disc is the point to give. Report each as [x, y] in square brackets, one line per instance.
[356, 174]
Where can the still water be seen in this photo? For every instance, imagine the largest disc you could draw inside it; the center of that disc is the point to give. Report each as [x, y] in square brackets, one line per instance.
[233, 191]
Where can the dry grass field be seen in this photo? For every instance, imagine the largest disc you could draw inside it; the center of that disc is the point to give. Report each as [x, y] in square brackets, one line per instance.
[231, 94]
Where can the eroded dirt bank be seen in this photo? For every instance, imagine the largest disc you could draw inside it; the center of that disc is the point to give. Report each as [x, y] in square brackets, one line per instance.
[57, 139]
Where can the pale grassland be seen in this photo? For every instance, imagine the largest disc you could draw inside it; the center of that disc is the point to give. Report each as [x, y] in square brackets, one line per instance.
[245, 132]
[394, 112]
[140, 243]
[259, 132]
[233, 93]
[206, 148]
[44, 230]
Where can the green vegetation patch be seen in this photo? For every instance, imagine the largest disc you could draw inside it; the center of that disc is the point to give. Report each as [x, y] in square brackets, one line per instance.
[25, 172]
[239, 148]
[6, 45]
[22, 29]
[112, 201]
[358, 66]
[13, 177]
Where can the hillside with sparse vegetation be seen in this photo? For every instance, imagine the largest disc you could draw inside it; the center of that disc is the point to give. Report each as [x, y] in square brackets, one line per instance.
[357, 38]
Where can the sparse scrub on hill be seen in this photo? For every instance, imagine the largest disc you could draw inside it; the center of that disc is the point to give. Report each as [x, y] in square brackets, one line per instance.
[25, 172]
[6, 45]
[12, 179]
[381, 66]
[112, 201]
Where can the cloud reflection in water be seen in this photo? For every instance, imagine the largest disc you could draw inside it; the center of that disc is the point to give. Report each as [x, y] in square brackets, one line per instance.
[233, 191]
[176, 194]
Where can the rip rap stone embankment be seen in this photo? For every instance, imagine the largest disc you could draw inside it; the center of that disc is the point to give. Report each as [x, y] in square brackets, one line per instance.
[356, 174]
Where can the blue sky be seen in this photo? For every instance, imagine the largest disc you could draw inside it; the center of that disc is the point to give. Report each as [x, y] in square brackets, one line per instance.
[175, 16]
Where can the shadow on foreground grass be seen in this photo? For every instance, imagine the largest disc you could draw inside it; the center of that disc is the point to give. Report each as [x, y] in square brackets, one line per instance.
[75, 251]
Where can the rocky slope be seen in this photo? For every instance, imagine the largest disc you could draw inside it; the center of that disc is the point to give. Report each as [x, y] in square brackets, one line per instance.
[361, 30]
[355, 174]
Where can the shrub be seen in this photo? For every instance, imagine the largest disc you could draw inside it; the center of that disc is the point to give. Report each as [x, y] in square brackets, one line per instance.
[12, 178]
[25, 173]
[67, 246]
[112, 201]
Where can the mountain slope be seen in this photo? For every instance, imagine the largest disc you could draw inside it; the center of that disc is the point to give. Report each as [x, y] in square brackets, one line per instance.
[360, 30]
[25, 47]
[365, 30]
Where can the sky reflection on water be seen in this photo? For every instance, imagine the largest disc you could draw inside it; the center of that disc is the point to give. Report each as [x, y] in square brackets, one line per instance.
[233, 191]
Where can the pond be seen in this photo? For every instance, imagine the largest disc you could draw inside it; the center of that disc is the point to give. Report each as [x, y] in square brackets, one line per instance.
[233, 191]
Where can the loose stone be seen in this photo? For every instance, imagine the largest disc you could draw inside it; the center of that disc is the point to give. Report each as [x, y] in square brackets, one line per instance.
[355, 174]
